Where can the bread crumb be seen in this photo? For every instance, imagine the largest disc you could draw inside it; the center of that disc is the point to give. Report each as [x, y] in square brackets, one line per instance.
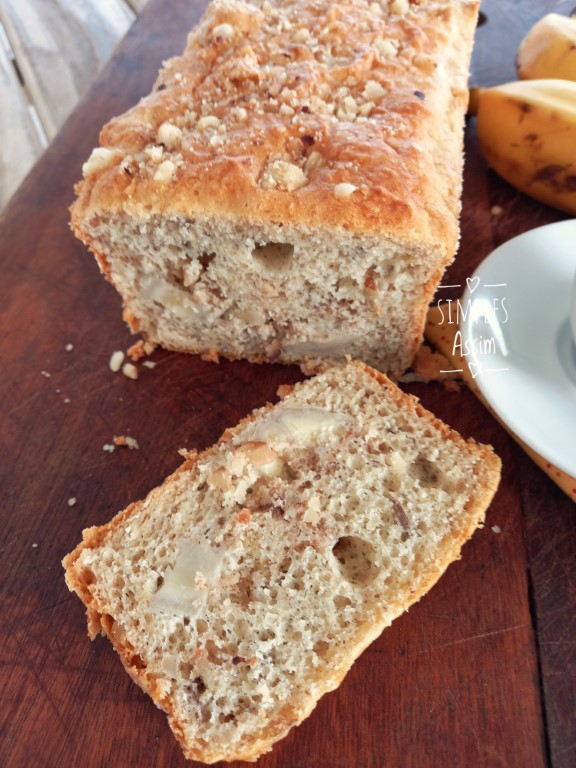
[69, 347]
[34, 545]
[149, 364]
[136, 351]
[126, 440]
[149, 347]
[109, 448]
[496, 210]
[496, 529]
[344, 189]
[429, 366]
[67, 400]
[284, 390]
[116, 360]
[130, 371]
[72, 501]
[45, 374]
[211, 356]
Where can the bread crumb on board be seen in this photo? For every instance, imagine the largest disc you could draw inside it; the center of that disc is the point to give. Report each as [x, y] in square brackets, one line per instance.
[140, 349]
[126, 440]
[136, 352]
[432, 366]
[116, 360]
[130, 371]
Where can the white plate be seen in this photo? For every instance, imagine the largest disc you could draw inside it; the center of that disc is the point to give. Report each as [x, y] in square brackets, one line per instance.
[515, 324]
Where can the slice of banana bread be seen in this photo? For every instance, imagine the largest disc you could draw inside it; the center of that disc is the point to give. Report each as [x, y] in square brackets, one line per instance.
[243, 588]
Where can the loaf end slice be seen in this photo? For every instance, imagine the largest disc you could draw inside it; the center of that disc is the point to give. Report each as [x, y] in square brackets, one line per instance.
[242, 589]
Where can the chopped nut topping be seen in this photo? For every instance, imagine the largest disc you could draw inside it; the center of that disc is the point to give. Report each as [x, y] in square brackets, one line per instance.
[297, 66]
[166, 172]
[224, 31]
[373, 91]
[314, 162]
[169, 135]
[386, 47]
[208, 121]
[344, 189]
[302, 35]
[401, 7]
[281, 174]
[100, 158]
[154, 153]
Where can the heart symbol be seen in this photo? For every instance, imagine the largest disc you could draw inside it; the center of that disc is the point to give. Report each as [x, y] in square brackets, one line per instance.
[472, 283]
[474, 369]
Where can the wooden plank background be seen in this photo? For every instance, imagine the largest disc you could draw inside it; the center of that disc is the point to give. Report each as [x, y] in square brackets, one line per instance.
[50, 52]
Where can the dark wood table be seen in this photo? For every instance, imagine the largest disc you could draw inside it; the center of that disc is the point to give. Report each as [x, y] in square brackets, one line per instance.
[481, 673]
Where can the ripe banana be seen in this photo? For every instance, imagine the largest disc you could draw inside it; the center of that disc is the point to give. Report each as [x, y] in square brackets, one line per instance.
[527, 133]
[549, 49]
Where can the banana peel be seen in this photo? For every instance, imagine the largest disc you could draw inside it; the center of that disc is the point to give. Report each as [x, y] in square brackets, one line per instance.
[549, 49]
[527, 133]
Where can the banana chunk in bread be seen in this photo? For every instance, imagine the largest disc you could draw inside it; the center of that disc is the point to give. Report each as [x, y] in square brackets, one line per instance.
[290, 190]
[243, 588]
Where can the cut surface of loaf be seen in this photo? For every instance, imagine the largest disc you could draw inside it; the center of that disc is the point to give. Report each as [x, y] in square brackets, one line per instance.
[290, 189]
[243, 588]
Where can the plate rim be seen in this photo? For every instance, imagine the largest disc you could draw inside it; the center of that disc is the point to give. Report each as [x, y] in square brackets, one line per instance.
[547, 452]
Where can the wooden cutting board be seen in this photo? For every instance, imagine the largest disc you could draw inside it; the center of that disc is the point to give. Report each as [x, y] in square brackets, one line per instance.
[480, 673]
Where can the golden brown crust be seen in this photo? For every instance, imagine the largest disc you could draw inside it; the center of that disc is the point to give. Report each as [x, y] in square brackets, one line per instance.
[272, 106]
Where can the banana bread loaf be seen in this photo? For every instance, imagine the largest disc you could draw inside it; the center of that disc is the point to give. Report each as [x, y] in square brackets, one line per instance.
[290, 190]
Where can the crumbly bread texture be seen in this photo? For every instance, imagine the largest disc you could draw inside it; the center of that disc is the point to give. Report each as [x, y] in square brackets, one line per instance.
[243, 588]
[290, 190]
